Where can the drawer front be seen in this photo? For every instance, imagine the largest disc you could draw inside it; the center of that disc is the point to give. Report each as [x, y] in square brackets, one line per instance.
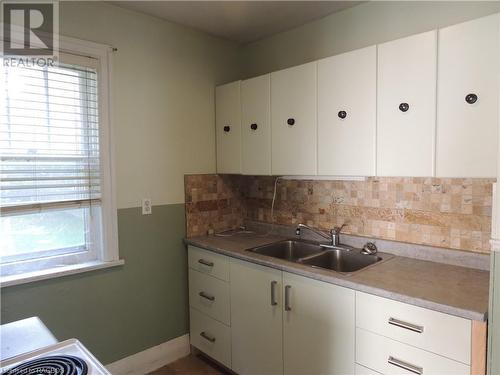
[211, 337]
[210, 296]
[392, 357]
[208, 262]
[362, 370]
[436, 332]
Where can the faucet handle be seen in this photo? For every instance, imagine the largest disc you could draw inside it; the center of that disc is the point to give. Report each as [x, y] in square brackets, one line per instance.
[369, 249]
[336, 230]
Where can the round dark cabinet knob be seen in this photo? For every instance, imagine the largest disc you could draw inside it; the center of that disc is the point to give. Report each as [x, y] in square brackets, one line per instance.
[471, 98]
[342, 114]
[403, 107]
[227, 128]
[290, 121]
[253, 126]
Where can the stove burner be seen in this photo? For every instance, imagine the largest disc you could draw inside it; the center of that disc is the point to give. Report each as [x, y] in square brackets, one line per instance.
[53, 365]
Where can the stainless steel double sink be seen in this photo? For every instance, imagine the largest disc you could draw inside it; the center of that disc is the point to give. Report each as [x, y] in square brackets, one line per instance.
[342, 259]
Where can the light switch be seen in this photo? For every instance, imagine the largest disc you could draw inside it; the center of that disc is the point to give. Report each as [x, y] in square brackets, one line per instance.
[146, 206]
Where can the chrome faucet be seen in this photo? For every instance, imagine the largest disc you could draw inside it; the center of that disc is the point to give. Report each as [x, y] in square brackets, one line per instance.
[333, 237]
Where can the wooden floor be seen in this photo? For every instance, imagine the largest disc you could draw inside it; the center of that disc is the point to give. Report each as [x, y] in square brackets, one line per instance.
[191, 365]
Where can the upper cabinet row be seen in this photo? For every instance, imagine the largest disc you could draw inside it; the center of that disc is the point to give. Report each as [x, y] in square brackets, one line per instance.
[425, 105]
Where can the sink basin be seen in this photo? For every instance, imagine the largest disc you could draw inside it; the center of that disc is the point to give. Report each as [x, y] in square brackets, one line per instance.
[341, 260]
[314, 255]
[291, 250]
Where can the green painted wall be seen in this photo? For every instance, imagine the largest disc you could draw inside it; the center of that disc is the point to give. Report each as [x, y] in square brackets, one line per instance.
[119, 311]
[163, 108]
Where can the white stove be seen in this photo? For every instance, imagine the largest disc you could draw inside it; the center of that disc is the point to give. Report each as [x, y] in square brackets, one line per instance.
[68, 357]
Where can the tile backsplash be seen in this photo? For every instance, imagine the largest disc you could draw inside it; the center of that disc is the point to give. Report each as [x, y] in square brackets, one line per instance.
[444, 212]
[213, 203]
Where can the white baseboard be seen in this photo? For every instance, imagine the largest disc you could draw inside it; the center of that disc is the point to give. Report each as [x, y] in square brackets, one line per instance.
[151, 359]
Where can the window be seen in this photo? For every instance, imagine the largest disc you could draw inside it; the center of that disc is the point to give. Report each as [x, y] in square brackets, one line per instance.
[56, 203]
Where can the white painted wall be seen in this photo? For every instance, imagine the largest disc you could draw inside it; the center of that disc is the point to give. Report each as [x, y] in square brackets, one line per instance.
[357, 27]
[164, 78]
[163, 96]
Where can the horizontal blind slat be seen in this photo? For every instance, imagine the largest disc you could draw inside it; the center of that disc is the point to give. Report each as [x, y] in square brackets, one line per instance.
[39, 95]
[34, 207]
[49, 136]
[68, 69]
[53, 77]
[58, 89]
[43, 118]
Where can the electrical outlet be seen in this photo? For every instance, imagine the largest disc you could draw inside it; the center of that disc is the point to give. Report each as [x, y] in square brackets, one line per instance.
[146, 206]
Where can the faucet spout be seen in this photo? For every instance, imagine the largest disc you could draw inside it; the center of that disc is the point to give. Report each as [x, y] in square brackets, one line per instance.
[318, 232]
[333, 237]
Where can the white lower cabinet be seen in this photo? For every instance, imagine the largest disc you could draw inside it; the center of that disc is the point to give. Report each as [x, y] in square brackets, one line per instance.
[362, 370]
[393, 357]
[263, 321]
[443, 334]
[283, 323]
[318, 327]
[209, 296]
[396, 338]
[257, 319]
[210, 336]
[209, 312]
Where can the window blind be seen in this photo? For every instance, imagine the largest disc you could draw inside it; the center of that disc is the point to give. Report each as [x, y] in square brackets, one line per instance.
[49, 138]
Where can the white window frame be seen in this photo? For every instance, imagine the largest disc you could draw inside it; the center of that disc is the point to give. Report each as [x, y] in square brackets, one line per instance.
[106, 251]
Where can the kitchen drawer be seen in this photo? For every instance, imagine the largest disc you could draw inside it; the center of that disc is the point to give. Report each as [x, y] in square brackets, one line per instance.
[375, 352]
[209, 262]
[362, 370]
[209, 295]
[211, 337]
[443, 334]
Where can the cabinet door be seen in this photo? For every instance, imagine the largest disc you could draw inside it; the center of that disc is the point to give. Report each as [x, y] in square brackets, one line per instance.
[293, 120]
[406, 104]
[318, 327]
[256, 125]
[256, 319]
[467, 129]
[228, 127]
[347, 113]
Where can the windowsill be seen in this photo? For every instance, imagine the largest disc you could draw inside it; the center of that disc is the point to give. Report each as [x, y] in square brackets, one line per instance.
[52, 273]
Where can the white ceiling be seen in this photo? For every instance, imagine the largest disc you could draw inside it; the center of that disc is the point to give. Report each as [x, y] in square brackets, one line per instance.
[239, 21]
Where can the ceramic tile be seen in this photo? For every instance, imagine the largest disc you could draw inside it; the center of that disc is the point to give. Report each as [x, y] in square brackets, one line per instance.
[442, 212]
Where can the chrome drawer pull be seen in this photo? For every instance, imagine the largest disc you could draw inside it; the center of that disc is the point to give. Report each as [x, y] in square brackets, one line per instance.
[273, 293]
[207, 296]
[206, 262]
[406, 325]
[287, 298]
[405, 365]
[207, 337]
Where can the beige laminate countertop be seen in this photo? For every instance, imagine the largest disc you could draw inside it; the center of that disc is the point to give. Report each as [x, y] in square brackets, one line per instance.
[454, 290]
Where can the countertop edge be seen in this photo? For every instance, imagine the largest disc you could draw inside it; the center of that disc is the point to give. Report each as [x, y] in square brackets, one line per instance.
[344, 281]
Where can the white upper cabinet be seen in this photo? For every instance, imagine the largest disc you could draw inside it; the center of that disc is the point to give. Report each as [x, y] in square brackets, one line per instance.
[228, 127]
[347, 113]
[256, 126]
[293, 120]
[468, 99]
[406, 105]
